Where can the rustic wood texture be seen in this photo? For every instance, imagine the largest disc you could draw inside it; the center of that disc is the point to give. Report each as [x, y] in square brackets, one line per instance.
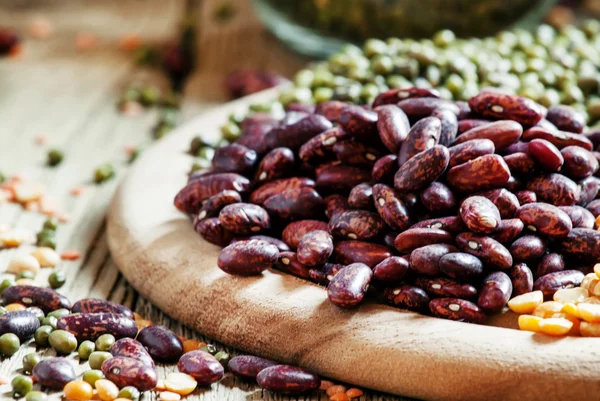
[54, 89]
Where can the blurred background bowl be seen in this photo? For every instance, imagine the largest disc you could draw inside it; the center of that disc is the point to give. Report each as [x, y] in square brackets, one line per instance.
[319, 27]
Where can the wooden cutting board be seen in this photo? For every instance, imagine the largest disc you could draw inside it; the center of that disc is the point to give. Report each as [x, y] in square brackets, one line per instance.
[288, 319]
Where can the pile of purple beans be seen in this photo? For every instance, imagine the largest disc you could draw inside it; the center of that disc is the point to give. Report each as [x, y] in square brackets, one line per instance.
[440, 207]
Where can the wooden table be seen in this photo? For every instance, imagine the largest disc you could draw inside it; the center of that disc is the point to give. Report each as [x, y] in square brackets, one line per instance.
[70, 95]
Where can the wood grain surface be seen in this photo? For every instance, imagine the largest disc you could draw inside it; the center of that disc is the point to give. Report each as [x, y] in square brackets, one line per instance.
[285, 318]
[70, 96]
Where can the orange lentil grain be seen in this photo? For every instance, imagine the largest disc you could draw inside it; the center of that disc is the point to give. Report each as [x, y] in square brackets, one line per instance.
[71, 254]
[85, 41]
[325, 384]
[78, 190]
[354, 393]
[160, 385]
[130, 42]
[337, 389]
[129, 149]
[598, 223]
[142, 324]
[41, 28]
[4, 380]
[192, 345]
[64, 218]
[41, 139]
[339, 397]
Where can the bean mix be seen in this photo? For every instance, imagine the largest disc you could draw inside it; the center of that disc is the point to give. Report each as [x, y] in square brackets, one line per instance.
[443, 207]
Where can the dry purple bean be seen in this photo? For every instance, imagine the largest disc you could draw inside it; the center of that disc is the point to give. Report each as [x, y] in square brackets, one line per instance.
[341, 177]
[347, 252]
[580, 217]
[234, 158]
[213, 205]
[461, 266]
[162, 344]
[581, 242]
[189, 199]
[445, 287]
[315, 248]
[347, 288]
[555, 189]
[295, 204]
[53, 373]
[90, 326]
[202, 366]
[390, 207]
[495, 292]
[589, 188]
[282, 246]
[469, 150]
[426, 259]
[528, 248]
[552, 282]
[354, 153]
[320, 147]
[288, 263]
[334, 204]
[95, 305]
[579, 163]
[560, 139]
[247, 258]
[521, 279]
[356, 224]
[275, 187]
[384, 169]
[480, 214]
[503, 133]
[501, 106]
[414, 238]
[248, 366]
[550, 263]
[545, 219]
[484, 172]
[506, 202]
[525, 197]
[244, 218]
[421, 107]
[565, 118]
[212, 231]
[422, 169]
[28, 295]
[456, 309]
[393, 96]
[130, 348]
[508, 231]
[125, 372]
[451, 224]
[407, 297]
[358, 122]
[490, 251]
[293, 232]
[438, 198]
[425, 134]
[295, 135]
[361, 197]
[546, 155]
[391, 270]
[393, 126]
[286, 379]
[276, 164]
[21, 323]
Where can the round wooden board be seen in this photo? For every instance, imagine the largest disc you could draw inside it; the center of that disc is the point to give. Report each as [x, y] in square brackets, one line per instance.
[288, 319]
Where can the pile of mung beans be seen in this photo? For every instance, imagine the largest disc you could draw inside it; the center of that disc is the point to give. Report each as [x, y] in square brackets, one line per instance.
[551, 66]
[122, 350]
[448, 208]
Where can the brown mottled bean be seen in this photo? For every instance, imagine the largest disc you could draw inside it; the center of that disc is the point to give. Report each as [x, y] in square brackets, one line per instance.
[449, 125]
[407, 297]
[334, 204]
[424, 135]
[393, 96]
[552, 282]
[565, 118]
[358, 121]
[456, 309]
[53, 373]
[414, 238]
[438, 198]
[480, 214]
[189, 199]
[519, 163]
[95, 305]
[422, 107]
[521, 279]
[202, 366]
[508, 231]
[276, 164]
[501, 106]
[275, 187]
[546, 155]
[555, 189]
[461, 266]
[295, 135]
[490, 251]
[503, 133]
[545, 219]
[426, 259]
[390, 207]
[288, 380]
[125, 372]
[282, 246]
[21, 323]
[293, 232]
[550, 263]
[494, 292]
[452, 224]
[354, 153]
[384, 169]
[579, 163]
[90, 326]
[484, 172]
[393, 126]
[247, 258]
[44, 298]
[560, 139]
[594, 207]
[470, 150]
[288, 262]
[212, 231]
[581, 242]
[248, 366]
[315, 248]
[332, 109]
[347, 252]
[233, 158]
[320, 147]
[528, 248]
[588, 190]
[347, 288]
[213, 205]
[422, 169]
[162, 344]
[341, 177]
[506, 202]
[361, 197]
[580, 217]
[244, 218]
[130, 348]
[295, 204]
[324, 276]
[470, 123]
[255, 133]
[514, 184]
[446, 287]
[356, 224]
[525, 197]
[391, 270]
